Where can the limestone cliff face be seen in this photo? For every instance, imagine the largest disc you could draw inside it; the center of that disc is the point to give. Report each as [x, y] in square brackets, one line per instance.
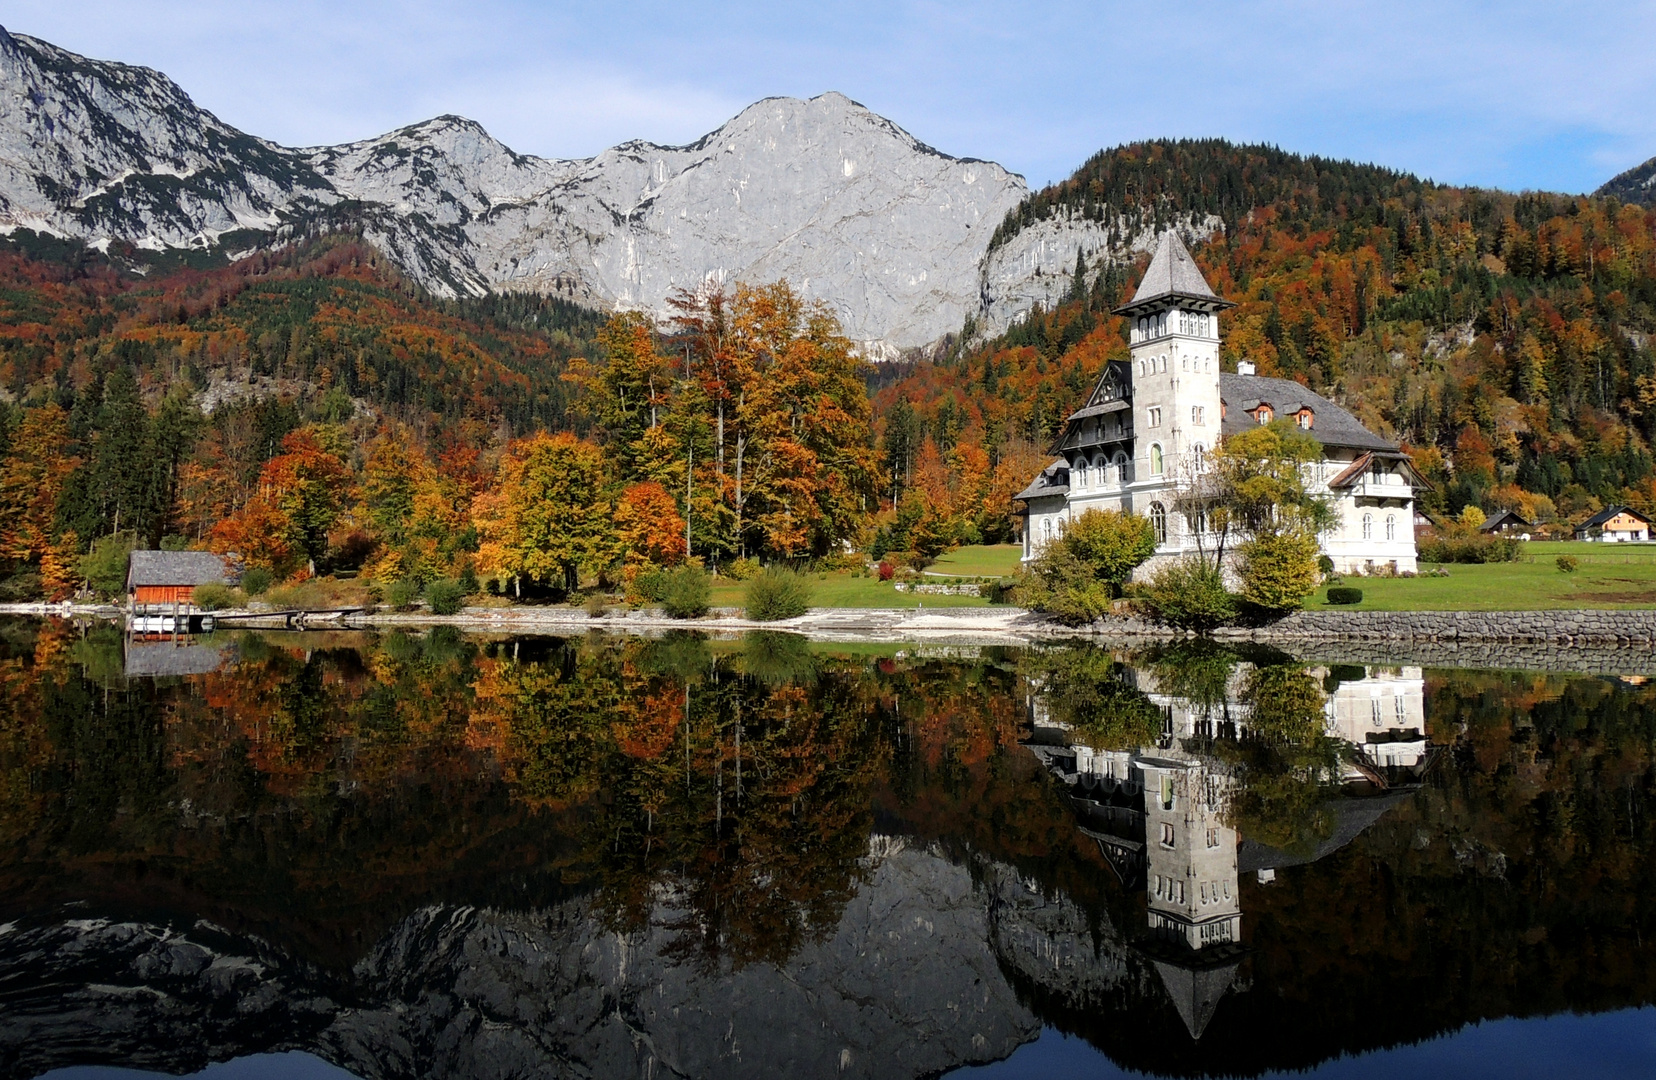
[909, 983]
[841, 202]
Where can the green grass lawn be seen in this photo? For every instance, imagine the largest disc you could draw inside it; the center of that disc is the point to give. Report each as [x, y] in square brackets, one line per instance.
[845, 591]
[1610, 576]
[980, 560]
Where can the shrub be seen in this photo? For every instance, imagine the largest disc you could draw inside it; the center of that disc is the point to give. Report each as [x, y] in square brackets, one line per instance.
[885, 570]
[1111, 543]
[777, 593]
[740, 569]
[1325, 565]
[1478, 548]
[1567, 564]
[402, 593]
[685, 592]
[1001, 590]
[1190, 594]
[445, 596]
[214, 597]
[1077, 576]
[105, 566]
[1278, 572]
[256, 580]
[1345, 594]
[597, 605]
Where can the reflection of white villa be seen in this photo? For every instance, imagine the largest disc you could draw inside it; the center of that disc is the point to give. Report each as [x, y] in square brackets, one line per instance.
[1383, 715]
[1151, 419]
[1158, 814]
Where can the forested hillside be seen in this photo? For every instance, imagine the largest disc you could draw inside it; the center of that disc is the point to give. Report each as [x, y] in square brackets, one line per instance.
[1505, 339]
[312, 410]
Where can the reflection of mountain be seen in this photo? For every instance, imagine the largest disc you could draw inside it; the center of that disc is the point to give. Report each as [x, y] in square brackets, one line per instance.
[906, 986]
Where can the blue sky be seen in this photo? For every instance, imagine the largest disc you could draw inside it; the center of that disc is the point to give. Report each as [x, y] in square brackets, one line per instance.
[1520, 95]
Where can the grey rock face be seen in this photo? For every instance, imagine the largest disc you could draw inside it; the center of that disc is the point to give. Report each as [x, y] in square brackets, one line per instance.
[844, 204]
[907, 984]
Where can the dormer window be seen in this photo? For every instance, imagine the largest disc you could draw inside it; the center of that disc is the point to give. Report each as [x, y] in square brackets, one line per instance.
[1263, 414]
[1303, 418]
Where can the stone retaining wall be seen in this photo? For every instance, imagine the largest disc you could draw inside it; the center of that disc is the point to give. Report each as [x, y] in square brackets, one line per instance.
[1599, 628]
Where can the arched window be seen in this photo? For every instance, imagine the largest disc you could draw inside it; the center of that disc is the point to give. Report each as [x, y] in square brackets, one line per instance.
[1158, 521]
[1391, 526]
[1164, 362]
[1081, 474]
[1122, 470]
[1368, 526]
[1198, 458]
[1046, 531]
[1155, 459]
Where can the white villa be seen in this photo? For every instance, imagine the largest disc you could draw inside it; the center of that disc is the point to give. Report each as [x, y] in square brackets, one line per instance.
[1151, 419]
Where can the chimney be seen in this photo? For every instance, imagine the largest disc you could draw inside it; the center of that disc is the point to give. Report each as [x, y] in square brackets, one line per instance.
[1244, 367]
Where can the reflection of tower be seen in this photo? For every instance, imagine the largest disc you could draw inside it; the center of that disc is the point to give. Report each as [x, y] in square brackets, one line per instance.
[1195, 910]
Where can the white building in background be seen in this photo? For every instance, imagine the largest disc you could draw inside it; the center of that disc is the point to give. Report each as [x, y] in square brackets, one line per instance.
[1152, 418]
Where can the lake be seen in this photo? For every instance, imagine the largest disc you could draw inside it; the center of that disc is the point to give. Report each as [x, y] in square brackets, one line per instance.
[402, 855]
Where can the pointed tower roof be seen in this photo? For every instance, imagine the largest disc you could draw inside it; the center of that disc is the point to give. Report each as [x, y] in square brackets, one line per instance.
[1173, 276]
[1196, 990]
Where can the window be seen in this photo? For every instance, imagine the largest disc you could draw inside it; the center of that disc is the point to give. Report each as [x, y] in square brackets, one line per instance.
[1198, 453]
[1213, 838]
[1375, 704]
[1196, 415]
[1158, 520]
[1121, 469]
[1167, 803]
[1304, 419]
[1155, 459]
[1164, 362]
[1046, 531]
[1152, 417]
[1391, 526]
[1167, 834]
[1401, 713]
[1377, 471]
[1368, 526]
[1263, 415]
[1081, 474]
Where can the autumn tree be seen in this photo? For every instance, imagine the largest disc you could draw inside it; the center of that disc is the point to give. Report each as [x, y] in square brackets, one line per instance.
[547, 516]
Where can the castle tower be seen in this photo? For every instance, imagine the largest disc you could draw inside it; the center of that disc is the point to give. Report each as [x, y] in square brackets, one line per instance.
[1174, 345]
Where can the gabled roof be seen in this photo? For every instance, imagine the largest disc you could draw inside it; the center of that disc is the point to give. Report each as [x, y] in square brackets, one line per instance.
[1609, 512]
[190, 568]
[1173, 274]
[1354, 472]
[1331, 425]
[1503, 519]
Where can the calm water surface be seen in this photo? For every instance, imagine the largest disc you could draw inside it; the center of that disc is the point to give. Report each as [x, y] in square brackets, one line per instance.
[311, 856]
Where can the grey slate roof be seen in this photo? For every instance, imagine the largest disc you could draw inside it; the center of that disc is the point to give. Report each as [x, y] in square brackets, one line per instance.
[150, 660]
[176, 568]
[1052, 480]
[1173, 272]
[1332, 425]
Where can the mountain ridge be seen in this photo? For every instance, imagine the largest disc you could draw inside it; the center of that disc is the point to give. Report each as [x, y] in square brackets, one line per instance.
[844, 202]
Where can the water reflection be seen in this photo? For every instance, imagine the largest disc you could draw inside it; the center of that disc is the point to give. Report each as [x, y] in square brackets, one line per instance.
[442, 855]
[1226, 766]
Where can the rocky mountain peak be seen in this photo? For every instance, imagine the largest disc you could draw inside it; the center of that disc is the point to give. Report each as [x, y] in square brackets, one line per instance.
[843, 203]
